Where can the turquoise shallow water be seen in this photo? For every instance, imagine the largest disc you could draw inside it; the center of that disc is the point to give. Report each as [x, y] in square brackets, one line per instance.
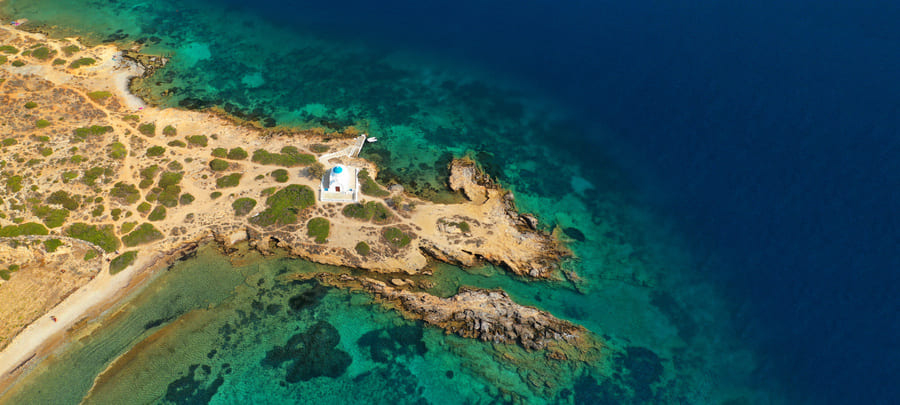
[669, 333]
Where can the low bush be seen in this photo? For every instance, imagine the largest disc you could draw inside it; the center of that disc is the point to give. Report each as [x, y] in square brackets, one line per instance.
[103, 236]
[395, 237]
[318, 228]
[220, 152]
[237, 154]
[198, 140]
[155, 151]
[369, 186]
[28, 228]
[31, 104]
[363, 248]
[147, 128]
[146, 233]
[185, 199]
[42, 123]
[50, 245]
[158, 213]
[122, 261]
[99, 95]
[82, 62]
[289, 157]
[231, 180]
[117, 150]
[284, 205]
[170, 131]
[218, 165]
[243, 206]
[280, 175]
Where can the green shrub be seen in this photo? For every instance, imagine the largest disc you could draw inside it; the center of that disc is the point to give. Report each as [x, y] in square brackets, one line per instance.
[177, 143]
[104, 236]
[10, 141]
[147, 128]
[91, 175]
[395, 237]
[99, 95]
[170, 131]
[155, 151]
[97, 211]
[46, 151]
[95, 130]
[185, 199]
[169, 196]
[8, 49]
[319, 148]
[117, 150]
[237, 154]
[128, 226]
[59, 62]
[316, 170]
[218, 165]
[158, 214]
[199, 140]
[42, 123]
[284, 205]
[369, 186]
[71, 49]
[131, 117]
[62, 198]
[170, 179]
[52, 217]
[14, 183]
[82, 62]
[363, 248]
[280, 175]
[28, 228]
[289, 157]
[122, 261]
[50, 245]
[215, 194]
[115, 213]
[3, 59]
[231, 180]
[41, 53]
[90, 254]
[144, 207]
[370, 211]
[175, 166]
[18, 63]
[318, 228]
[4, 274]
[143, 234]
[243, 206]
[220, 152]
[31, 104]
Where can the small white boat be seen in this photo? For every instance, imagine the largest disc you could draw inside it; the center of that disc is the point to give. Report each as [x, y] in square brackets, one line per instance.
[371, 139]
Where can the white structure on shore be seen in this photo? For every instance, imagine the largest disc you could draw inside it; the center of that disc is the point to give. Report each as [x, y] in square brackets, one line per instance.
[340, 184]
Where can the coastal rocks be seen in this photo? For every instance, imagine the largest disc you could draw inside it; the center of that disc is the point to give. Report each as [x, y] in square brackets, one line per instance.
[464, 175]
[529, 221]
[488, 315]
[150, 63]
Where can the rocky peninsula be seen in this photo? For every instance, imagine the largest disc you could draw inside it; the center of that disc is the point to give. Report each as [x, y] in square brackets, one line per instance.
[100, 190]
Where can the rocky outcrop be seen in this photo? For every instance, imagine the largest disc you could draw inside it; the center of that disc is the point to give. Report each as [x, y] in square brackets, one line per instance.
[465, 176]
[488, 315]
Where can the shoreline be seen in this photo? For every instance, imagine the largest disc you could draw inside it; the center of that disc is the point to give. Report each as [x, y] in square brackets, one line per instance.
[486, 228]
[90, 302]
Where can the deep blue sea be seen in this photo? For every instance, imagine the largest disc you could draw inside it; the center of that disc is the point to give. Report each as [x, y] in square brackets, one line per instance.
[759, 139]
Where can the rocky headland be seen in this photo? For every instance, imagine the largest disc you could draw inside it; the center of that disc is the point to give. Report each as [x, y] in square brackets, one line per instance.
[121, 188]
